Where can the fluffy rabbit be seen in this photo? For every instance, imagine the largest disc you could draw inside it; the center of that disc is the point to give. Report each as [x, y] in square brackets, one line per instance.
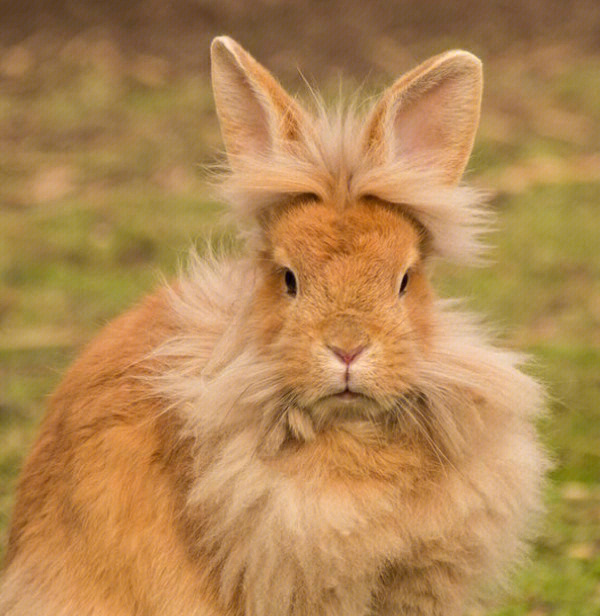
[304, 430]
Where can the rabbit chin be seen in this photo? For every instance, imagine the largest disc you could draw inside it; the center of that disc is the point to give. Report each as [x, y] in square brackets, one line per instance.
[343, 407]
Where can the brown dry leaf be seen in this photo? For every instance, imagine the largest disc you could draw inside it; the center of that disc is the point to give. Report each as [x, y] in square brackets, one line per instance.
[52, 183]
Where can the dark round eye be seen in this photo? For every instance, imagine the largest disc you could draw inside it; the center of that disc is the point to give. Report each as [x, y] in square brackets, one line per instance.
[403, 284]
[290, 281]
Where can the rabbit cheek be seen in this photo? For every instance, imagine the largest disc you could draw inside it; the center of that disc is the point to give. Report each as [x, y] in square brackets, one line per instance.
[270, 310]
[419, 310]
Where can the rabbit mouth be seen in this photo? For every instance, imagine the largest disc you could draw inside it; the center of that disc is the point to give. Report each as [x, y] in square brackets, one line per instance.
[344, 405]
[349, 398]
[348, 395]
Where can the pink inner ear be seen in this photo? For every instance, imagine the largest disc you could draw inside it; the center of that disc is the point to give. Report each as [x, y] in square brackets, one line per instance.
[247, 125]
[428, 127]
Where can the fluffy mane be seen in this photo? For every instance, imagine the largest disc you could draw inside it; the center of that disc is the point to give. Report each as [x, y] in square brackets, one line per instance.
[470, 408]
[330, 162]
[214, 357]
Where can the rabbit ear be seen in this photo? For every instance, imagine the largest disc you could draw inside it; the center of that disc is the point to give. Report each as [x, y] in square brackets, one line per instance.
[255, 113]
[430, 115]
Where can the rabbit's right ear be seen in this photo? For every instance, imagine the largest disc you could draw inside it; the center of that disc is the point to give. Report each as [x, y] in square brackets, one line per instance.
[256, 114]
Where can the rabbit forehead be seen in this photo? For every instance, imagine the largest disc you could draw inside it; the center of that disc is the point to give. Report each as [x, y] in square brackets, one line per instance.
[311, 235]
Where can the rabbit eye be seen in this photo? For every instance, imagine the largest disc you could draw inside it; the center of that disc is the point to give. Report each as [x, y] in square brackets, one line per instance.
[403, 284]
[290, 282]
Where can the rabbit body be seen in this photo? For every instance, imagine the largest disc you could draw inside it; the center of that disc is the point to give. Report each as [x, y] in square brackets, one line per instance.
[304, 430]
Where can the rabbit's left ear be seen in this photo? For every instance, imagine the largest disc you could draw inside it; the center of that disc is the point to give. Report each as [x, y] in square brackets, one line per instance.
[255, 112]
[430, 115]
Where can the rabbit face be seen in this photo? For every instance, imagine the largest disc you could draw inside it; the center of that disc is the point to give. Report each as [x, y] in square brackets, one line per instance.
[343, 310]
[344, 305]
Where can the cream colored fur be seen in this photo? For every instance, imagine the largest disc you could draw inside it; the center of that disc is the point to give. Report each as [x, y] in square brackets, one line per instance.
[274, 495]
[281, 537]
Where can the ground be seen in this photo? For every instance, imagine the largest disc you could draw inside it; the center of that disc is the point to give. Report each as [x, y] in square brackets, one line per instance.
[102, 191]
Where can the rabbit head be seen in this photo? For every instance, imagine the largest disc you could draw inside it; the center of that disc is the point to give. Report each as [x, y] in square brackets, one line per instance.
[343, 213]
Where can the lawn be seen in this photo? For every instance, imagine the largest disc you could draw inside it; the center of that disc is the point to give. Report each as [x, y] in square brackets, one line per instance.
[102, 192]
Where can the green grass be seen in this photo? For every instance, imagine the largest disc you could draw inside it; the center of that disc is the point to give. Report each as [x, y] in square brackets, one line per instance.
[100, 192]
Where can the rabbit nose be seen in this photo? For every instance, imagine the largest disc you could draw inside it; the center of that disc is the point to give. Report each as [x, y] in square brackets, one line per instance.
[347, 355]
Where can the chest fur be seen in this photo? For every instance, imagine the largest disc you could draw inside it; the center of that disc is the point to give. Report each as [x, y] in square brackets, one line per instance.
[311, 531]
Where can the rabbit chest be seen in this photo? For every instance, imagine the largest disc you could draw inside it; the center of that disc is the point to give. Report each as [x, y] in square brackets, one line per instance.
[318, 530]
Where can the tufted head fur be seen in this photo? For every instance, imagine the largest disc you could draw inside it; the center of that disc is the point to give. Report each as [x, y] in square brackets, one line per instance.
[409, 151]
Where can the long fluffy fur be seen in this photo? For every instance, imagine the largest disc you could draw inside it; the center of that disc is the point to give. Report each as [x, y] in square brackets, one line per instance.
[329, 161]
[472, 412]
[185, 476]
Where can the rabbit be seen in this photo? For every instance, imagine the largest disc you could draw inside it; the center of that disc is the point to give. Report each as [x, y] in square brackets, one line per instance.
[303, 428]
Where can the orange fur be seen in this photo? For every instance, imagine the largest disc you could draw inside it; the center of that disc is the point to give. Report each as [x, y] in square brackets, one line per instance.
[337, 443]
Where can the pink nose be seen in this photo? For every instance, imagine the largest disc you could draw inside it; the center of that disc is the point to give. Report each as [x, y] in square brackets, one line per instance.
[349, 355]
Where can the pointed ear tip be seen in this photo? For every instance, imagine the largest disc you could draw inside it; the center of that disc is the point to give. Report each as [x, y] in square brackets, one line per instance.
[465, 58]
[222, 43]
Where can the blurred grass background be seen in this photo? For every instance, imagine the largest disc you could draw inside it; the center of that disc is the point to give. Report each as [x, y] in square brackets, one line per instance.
[106, 118]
